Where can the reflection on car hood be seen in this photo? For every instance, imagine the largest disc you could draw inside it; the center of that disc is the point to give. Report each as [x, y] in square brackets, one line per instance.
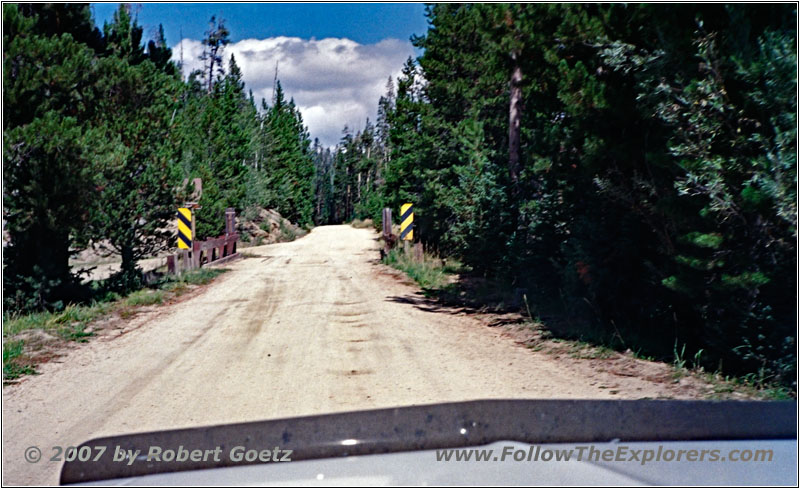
[450, 425]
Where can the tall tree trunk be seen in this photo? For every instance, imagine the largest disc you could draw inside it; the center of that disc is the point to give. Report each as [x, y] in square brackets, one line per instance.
[128, 264]
[514, 118]
[128, 275]
[347, 203]
[49, 253]
[213, 58]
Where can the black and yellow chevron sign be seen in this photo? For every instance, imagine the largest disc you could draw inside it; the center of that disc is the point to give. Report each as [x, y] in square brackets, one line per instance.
[184, 228]
[407, 222]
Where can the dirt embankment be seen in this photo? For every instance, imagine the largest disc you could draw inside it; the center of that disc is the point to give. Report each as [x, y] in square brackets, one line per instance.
[258, 226]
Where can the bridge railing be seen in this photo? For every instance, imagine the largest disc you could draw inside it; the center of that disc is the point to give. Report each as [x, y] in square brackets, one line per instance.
[214, 250]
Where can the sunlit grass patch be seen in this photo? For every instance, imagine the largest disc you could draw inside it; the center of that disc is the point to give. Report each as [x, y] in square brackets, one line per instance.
[69, 324]
[429, 273]
[145, 297]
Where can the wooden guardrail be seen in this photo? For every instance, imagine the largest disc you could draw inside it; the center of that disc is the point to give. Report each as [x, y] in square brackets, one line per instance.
[214, 250]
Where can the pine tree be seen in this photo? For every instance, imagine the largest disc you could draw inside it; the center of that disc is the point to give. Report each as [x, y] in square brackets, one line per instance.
[404, 174]
[136, 200]
[289, 158]
[633, 159]
[323, 184]
[213, 45]
[160, 54]
[223, 164]
[55, 19]
[123, 36]
[386, 105]
[48, 155]
[48, 186]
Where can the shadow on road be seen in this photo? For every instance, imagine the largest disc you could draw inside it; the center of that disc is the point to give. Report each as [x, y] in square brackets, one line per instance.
[441, 306]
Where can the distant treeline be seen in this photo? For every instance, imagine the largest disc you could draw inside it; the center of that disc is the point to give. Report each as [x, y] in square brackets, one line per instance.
[631, 168]
[100, 132]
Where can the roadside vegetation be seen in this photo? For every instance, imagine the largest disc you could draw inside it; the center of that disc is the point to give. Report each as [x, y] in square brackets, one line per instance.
[430, 272]
[33, 338]
[103, 132]
[450, 282]
[631, 169]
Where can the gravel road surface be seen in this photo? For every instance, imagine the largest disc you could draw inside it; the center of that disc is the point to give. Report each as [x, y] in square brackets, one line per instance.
[308, 327]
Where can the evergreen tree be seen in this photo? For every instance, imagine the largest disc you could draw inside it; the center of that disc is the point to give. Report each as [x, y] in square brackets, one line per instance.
[323, 184]
[386, 106]
[404, 176]
[223, 164]
[55, 19]
[633, 161]
[48, 182]
[160, 54]
[136, 198]
[47, 188]
[123, 36]
[288, 157]
[213, 45]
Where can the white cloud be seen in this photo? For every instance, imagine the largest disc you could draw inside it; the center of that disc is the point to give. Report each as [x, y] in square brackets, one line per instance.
[335, 82]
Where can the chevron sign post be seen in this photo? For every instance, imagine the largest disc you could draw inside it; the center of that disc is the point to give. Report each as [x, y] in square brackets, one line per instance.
[407, 222]
[185, 228]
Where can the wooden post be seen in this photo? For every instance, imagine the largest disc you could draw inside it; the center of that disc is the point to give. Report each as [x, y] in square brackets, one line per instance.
[184, 261]
[387, 231]
[230, 221]
[387, 221]
[195, 246]
[419, 254]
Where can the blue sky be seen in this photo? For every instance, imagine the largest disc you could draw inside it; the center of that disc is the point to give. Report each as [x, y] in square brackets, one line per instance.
[333, 59]
[364, 23]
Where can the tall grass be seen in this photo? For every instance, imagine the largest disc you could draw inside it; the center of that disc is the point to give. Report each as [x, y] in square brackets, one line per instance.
[362, 224]
[68, 324]
[430, 272]
[12, 368]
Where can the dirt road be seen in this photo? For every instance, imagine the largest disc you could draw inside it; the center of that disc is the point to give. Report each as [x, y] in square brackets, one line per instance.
[307, 327]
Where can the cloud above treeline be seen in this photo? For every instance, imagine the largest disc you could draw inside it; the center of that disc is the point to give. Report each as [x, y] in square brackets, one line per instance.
[335, 82]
